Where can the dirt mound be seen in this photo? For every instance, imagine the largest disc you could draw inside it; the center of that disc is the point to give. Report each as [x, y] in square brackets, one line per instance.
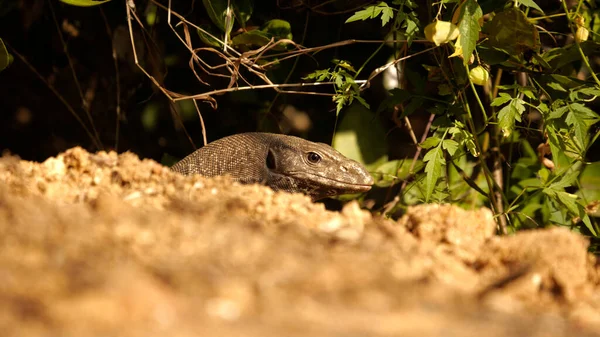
[100, 244]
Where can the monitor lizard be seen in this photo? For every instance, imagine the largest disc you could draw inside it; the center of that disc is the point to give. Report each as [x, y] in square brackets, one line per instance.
[285, 163]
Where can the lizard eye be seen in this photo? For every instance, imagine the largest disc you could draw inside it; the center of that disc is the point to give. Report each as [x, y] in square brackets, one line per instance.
[314, 157]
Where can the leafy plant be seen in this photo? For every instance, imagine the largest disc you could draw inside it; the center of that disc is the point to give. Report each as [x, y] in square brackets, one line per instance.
[480, 147]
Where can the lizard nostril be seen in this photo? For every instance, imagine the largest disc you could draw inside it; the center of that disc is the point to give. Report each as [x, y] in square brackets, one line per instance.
[343, 168]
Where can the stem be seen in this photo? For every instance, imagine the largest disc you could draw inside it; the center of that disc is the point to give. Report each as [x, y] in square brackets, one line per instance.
[483, 114]
[486, 170]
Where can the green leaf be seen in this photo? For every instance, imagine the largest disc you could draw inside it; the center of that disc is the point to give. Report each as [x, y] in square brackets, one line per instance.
[318, 75]
[361, 137]
[560, 82]
[84, 3]
[468, 26]
[372, 12]
[530, 3]
[344, 64]
[464, 137]
[581, 118]
[430, 142]
[386, 15]
[570, 202]
[340, 102]
[510, 30]
[206, 38]
[251, 38]
[392, 171]
[558, 147]
[412, 27]
[450, 145]
[362, 102]
[242, 9]
[280, 29]
[217, 12]
[5, 57]
[557, 112]
[509, 114]
[502, 98]
[435, 160]
[590, 182]
[568, 178]
[556, 86]
[588, 91]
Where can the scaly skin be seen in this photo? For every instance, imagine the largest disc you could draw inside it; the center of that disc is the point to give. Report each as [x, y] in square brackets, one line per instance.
[282, 162]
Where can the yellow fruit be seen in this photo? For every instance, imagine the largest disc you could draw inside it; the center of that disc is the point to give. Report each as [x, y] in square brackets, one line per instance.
[479, 75]
[582, 34]
[440, 32]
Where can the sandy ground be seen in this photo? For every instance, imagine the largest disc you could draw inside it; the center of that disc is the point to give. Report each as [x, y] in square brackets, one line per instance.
[107, 245]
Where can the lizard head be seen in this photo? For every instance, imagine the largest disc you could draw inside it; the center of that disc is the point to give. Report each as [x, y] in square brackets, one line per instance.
[316, 169]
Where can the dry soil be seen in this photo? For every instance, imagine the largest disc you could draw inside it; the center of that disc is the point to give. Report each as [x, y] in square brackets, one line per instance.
[108, 245]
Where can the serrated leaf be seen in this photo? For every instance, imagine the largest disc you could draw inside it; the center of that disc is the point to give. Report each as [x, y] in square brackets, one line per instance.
[372, 12]
[394, 170]
[386, 14]
[590, 91]
[362, 102]
[318, 75]
[558, 112]
[581, 118]
[558, 147]
[433, 169]
[340, 101]
[412, 27]
[468, 26]
[344, 64]
[84, 3]
[365, 14]
[569, 201]
[450, 145]
[567, 179]
[587, 222]
[430, 142]
[502, 98]
[557, 86]
[509, 114]
[339, 81]
[528, 92]
[530, 3]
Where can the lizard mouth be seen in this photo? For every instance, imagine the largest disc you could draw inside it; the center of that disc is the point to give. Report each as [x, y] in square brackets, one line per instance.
[332, 183]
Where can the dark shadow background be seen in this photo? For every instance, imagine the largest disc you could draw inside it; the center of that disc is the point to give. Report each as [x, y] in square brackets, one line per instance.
[35, 124]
